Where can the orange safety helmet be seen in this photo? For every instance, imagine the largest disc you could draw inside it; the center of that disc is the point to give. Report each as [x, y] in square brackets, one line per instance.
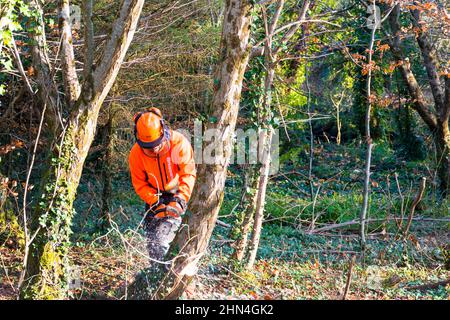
[149, 128]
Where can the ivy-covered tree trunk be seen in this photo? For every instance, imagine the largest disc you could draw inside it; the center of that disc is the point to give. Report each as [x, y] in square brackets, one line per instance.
[436, 115]
[209, 188]
[241, 229]
[260, 199]
[45, 276]
[263, 175]
[46, 268]
[270, 62]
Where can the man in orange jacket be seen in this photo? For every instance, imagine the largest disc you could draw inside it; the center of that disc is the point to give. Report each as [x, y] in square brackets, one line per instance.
[163, 174]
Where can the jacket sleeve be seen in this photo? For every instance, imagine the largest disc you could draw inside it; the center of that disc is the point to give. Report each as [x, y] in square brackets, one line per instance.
[187, 172]
[139, 179]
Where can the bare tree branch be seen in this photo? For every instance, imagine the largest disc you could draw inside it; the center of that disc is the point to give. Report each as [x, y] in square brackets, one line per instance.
[71, 83]
[88, 38]
[276, 17]
[123, 30]
[20, 67]
[414, 205]
[47, 89]
[430, 62]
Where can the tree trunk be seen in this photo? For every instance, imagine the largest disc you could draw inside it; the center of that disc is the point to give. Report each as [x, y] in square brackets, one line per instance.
[209, 189]
[265, 154]
[104, 218]
[260, 200]
[46, 268]
[46, 274]
[270, 57]
[368, 137]
[242, 228]
[442, 142]
[437, 120]
[441, 91]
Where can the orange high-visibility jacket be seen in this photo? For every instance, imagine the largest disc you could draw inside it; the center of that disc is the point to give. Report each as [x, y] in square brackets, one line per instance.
[175, 168]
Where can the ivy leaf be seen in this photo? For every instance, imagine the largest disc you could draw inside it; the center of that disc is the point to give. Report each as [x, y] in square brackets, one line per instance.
[14, 26]
[24, 9]
[7, 64]
[6, 36]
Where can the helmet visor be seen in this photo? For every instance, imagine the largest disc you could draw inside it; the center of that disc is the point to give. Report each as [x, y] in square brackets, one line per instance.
[152, 144]
[162, 148]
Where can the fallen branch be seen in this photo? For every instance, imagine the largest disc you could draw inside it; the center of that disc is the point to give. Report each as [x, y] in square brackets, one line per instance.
[429, 286]
[223, 224]
[353, 222]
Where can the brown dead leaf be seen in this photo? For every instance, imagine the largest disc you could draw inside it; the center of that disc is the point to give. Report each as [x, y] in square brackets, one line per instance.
[30, 71]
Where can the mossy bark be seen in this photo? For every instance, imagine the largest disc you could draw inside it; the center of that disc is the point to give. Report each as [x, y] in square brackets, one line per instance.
[46, 268]
[11, 232]
[244, 219]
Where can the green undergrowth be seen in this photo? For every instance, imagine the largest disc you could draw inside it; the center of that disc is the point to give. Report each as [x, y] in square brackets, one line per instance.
[278, 279]
[291, 262]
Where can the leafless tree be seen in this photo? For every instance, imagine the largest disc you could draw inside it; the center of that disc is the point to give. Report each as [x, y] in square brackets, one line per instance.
[72, 120]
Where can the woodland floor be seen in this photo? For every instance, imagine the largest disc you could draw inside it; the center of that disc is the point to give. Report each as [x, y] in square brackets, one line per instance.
[292, 263]
[104, 270]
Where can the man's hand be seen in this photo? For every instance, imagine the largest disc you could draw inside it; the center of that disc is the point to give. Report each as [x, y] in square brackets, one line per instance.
[175, 208]
[160, 208]
[166, 213]
[171, 210]
[171, 205]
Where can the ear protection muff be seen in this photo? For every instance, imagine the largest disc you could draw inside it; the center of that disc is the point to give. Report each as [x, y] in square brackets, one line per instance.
[166, 129]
